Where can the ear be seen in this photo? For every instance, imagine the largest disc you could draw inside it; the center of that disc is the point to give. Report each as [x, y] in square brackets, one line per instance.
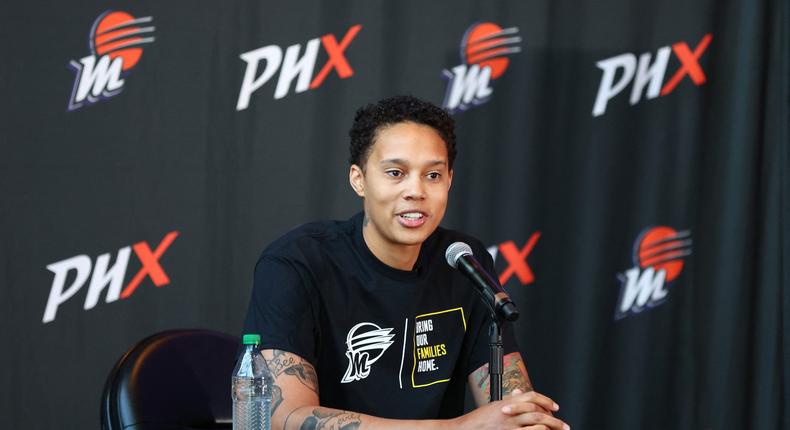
[357, 180]
[449, 180]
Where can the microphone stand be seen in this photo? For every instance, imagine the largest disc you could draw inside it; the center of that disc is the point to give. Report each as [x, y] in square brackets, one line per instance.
[495, 362]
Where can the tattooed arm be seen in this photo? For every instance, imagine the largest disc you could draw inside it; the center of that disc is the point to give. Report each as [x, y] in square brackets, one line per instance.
[520, 399]
[514, 377]
[295, 401]
[295, 406]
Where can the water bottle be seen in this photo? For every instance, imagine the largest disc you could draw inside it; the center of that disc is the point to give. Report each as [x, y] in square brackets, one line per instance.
[251, 388]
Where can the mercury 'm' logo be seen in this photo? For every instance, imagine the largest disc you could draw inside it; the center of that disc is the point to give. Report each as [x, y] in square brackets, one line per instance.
[658, 260]
[484, 51]
[366, 344]
[116, 43]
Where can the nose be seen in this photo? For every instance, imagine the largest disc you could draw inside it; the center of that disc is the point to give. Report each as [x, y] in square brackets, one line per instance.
[415, 189]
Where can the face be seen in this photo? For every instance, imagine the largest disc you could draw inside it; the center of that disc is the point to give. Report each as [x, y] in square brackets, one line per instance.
[404, 184]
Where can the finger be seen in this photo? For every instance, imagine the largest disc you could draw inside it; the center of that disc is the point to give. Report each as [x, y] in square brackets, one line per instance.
[520, 408]
[535, 397]
[537, 427]
[537, 418]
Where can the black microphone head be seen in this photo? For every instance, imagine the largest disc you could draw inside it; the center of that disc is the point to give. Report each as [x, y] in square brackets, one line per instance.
[455, 251]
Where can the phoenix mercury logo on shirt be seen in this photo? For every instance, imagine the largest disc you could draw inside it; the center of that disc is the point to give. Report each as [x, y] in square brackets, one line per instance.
[366, 344]
[115, 42]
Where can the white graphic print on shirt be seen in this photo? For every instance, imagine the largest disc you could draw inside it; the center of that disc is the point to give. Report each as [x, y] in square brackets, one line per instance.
[366, 344]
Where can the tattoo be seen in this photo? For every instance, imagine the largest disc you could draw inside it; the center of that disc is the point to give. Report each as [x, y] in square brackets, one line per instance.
[514, 376]
[290, 364]
[280, 361]
[482, 380]
[277, 397]
[328, 419]
[285, 423]
[306, 375]
[365, 221]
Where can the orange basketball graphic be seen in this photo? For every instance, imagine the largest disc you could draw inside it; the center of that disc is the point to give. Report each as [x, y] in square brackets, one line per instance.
[663, 248]
[119, 34]
[487, 44]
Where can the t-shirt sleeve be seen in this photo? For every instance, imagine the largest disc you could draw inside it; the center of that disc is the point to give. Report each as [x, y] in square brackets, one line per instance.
[280, 309]
[480, 353]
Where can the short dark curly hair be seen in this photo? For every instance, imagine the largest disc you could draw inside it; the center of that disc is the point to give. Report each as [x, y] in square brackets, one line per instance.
[372, 118]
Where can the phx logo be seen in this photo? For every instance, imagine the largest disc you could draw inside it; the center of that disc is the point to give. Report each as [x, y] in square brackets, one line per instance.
[115, 42]
[484, 50]
[648, 77]
[658, 260]
[293, 67]
[103, 276]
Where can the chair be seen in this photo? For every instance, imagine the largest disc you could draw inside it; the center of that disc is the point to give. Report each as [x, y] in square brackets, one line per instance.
[176, 379]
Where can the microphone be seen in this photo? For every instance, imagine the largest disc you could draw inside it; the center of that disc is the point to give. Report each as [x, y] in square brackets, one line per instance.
[459, 256]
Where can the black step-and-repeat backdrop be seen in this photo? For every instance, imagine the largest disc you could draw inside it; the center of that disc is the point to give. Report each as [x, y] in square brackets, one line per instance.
[626, 162]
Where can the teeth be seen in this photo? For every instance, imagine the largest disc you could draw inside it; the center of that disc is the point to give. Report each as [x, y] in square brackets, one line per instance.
[412, 215]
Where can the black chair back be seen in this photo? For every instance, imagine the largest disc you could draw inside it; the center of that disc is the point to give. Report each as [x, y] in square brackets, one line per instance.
[176, 379]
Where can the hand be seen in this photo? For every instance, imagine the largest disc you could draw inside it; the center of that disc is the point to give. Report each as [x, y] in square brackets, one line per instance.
[538, 408]
[530, 411]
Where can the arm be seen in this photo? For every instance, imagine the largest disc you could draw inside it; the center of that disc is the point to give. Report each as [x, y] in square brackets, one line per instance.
[295, 406]
[295, 402]
[514, 377]
[520, 399]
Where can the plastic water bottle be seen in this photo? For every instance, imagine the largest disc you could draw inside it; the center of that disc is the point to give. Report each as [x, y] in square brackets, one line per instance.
[252, 388]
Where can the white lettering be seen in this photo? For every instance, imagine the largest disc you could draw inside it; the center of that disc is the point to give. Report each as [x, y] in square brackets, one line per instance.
[94, 79]
[427, 366]
[102, 277]
[608, 88]
[467, 85]
[642, 289]
[423, 326]
[493, 250]
[273, 56]
[80, 263]
[293, 67]
[653, 74]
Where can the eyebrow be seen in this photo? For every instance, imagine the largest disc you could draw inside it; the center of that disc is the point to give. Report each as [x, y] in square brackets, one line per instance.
[404, 162]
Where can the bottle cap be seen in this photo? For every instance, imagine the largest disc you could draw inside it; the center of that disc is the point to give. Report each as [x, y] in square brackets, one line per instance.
[251, 339]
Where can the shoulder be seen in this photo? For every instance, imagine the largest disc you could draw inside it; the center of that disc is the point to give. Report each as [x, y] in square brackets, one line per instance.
[308, 241]
[444, 237]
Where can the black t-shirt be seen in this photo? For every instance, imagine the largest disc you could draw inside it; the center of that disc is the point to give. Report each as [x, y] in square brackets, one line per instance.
[384, 342]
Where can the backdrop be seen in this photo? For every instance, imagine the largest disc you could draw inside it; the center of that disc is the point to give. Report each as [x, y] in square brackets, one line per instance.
[626, 162]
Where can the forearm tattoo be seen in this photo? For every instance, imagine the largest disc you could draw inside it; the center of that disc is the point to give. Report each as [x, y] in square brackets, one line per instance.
[329, 419]
[482, 378]
[514, 376]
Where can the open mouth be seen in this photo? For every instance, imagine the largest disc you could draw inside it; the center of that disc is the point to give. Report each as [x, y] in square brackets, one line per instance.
[412, 218]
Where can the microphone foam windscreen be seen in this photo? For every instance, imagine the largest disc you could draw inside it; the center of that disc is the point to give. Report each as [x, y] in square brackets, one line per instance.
[455, 251]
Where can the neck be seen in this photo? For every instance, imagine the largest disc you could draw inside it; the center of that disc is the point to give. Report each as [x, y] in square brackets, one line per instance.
[401, 257]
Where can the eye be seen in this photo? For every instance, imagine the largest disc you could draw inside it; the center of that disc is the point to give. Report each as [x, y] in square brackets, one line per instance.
[434, 175]
[394, 173]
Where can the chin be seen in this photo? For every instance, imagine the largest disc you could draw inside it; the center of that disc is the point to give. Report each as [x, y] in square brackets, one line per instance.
[413, 238]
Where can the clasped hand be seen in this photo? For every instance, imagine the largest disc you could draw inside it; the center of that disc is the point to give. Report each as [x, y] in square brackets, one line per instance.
[528, 411]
